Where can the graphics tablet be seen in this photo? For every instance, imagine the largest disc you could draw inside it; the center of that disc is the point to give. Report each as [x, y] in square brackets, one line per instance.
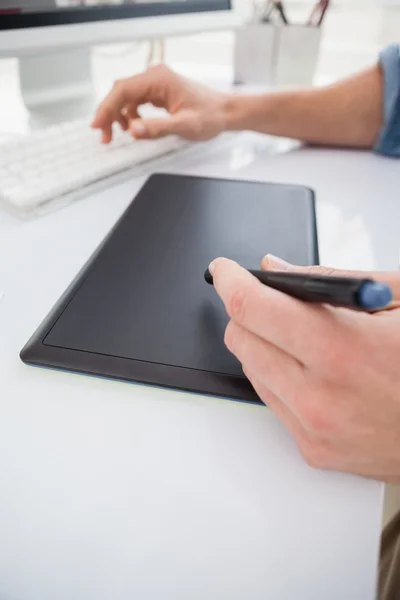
[140, 310]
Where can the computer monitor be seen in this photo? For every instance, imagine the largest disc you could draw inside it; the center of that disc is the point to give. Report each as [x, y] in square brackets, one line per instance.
[52, 38]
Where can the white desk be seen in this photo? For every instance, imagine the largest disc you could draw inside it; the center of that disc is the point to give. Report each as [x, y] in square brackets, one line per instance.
[112, 490]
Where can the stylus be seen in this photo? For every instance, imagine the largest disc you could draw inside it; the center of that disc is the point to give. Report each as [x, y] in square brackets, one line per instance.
[349, 292]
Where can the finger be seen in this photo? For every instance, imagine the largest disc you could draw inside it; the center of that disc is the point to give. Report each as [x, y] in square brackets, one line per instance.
[123, 122]
[391, 278]
[133, 92]
[283, 413]
[131, 113]
[158, 128]
[303, 330]
[274, 368]
[106, 135]
[113, 104]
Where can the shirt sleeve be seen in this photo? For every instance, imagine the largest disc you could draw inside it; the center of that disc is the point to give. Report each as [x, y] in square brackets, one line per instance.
[389, 139]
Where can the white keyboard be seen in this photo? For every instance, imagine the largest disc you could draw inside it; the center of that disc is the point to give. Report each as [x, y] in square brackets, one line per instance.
[55, 166]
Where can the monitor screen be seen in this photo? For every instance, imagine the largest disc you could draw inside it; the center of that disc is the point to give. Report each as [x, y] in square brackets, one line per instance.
[16, 14]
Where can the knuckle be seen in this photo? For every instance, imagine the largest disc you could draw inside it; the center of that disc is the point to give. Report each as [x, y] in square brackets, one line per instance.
[237, 305]
[315, 454]
[230, 337]
[317, 415]
[160, 70]
[104, 111]
[317, 420]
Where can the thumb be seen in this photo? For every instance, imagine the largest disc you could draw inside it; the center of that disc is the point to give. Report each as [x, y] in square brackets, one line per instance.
[391, 278]
[273, 263]
[147, 129]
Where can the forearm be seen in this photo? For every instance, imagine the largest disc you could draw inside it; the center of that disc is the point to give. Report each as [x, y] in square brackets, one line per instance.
[348, 113]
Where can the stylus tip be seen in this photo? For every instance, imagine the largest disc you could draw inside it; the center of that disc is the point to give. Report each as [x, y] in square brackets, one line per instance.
[208, 277]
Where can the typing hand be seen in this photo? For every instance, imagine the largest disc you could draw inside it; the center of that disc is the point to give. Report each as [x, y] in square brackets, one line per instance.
[331, 375]
[196, 113]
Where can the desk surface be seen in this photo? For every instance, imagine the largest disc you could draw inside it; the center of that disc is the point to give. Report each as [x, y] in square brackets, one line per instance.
[114, 490]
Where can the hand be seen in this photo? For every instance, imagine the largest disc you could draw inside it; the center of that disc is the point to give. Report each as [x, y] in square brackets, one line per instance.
[196, 113]
[331, 375]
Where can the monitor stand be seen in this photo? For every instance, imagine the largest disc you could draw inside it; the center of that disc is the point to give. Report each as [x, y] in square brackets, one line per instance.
[57, 87]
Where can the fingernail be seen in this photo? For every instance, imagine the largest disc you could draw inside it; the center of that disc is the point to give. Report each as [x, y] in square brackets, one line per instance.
[211, 268]
[138, 129]
[275, 262]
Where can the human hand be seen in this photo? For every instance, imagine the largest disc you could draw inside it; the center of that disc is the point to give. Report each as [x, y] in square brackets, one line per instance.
[196, 112]
[331, 375]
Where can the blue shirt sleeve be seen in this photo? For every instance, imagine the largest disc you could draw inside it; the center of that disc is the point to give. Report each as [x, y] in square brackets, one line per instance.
[389, 138]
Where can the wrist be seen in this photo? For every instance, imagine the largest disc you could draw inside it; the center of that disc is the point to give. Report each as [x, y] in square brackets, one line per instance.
[233, 112]
[242, 112]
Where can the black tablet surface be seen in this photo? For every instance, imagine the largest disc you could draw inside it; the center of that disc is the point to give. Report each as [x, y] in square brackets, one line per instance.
[141, 310]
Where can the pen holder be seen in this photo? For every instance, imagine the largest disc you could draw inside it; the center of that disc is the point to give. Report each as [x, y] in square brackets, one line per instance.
[275, 55]
[254, 51]
[297, 55]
